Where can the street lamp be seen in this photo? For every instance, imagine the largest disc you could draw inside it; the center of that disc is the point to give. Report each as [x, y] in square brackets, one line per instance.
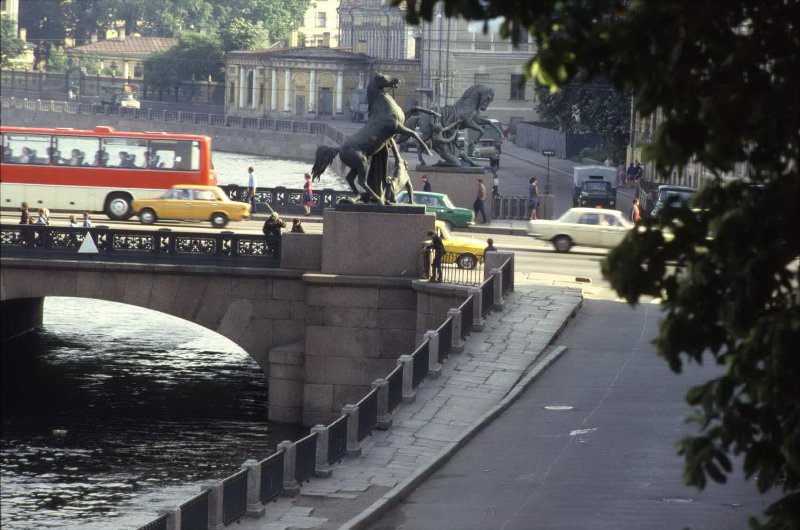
[548, 153]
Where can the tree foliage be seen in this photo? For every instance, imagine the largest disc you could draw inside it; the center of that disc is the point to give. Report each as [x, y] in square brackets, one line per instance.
[56, 19]
[725, 75]
[11, 46]
[243, 35]
[194, 57]
[593, 107]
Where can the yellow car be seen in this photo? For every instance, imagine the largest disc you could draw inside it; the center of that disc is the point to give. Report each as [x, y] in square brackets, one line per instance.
[463, 251]
[190, 202]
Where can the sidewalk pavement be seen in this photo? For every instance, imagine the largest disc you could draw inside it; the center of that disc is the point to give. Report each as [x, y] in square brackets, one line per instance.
[446, 413]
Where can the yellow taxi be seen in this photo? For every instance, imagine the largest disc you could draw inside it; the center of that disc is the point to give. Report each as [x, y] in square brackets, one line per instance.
[192, 202]
[463, 251]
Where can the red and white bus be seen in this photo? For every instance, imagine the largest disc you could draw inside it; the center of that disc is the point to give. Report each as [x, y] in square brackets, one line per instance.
[98, 171]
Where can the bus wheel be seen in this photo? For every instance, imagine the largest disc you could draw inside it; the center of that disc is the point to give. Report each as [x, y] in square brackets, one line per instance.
[147, 216]
[219, 220]
[118, 206]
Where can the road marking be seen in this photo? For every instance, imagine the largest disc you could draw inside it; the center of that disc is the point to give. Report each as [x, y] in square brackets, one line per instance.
[558, 407]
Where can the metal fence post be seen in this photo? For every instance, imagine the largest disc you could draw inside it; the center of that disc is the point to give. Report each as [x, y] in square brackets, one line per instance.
[477, 318]
[458, 342]
[498, 289]
[321, 469]
[214, 488]
[434, 366]
[407, 362]
[353, 447]
[173, 517]
[254, 506]
[384, 416]
[290, 486]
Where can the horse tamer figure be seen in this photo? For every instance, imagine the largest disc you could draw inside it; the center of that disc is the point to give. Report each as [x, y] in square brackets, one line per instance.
[369, 146]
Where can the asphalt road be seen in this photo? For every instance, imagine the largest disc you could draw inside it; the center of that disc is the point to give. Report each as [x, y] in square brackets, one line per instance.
[607, 462]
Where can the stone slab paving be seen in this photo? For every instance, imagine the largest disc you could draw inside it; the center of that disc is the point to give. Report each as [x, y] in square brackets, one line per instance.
[471, 383]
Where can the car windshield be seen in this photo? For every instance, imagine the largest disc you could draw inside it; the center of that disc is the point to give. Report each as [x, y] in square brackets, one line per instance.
[444, 231]
[664, 195]
[595, 186]
[447, 202]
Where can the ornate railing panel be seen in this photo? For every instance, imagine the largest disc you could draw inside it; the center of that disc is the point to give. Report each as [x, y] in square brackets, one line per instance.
[234, 497]
[420, 363]
[395, 380]
[272, 477]
[467, 316]
[306, 459]
[337, 440]
[367, 414]
[445, 332]
[194, 512]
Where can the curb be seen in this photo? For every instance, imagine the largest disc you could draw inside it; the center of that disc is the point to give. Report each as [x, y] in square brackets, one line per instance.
[403, 489]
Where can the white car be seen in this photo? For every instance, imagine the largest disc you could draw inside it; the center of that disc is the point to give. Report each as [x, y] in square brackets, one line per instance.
[587, 227]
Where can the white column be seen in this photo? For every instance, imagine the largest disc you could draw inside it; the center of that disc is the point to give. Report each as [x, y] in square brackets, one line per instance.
[287, 91]
[254, 90]
[312, 90]
[126, 70]
[360, 79]
[273, 102]
[242, 88]
[339, 91]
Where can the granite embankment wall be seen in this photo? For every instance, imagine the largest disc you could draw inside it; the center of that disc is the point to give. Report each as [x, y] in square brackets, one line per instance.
[295, 145]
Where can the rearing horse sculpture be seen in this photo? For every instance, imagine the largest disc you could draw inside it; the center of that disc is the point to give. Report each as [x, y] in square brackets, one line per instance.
[385, 120]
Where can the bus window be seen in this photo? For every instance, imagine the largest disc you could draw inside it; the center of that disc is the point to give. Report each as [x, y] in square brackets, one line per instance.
[76, 150]
[182, 155]
[128, 153]
[26, 148]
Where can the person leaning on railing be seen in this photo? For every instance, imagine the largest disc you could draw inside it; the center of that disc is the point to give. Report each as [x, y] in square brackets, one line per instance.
[273, 225]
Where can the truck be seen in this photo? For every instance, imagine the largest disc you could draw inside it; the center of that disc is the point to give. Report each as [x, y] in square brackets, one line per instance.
[594, 186]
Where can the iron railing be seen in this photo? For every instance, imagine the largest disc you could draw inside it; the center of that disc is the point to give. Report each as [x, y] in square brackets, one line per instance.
[234, 497]
[508, 276]
[487, 296]
[367, 414]
[271, 477]
[420, 363]
[445, 332]
[461, 268]
[287, 201]
[510, 207]
[162, 245]
[306, 458]
[395, 381]
[337, 440]
[160, 523]
[467, 316]
[194, 512]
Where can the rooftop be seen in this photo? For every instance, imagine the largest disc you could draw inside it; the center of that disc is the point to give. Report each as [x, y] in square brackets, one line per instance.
[127, 47]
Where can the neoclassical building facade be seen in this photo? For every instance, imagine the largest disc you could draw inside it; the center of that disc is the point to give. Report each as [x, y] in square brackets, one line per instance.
[311, 82]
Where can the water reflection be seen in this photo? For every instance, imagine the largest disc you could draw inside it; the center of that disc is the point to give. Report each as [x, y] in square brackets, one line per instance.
[151, 406]
[232, 169]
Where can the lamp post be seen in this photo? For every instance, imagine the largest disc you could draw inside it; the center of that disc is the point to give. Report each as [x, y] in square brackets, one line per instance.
[548, 153]
[548, 200]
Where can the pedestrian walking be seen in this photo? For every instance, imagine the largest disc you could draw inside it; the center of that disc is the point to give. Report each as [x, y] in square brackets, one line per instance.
[24, 214]
[273, 225]
[533, 197]
[426, 183]
[297, 226]
[621, 173]
[252, 184]
[608, 162]
[437, 247]
[44, 217]
[479, 206]
[634, 215]
[73, 221]
[490, 246]
[87, 221]
[308, 194]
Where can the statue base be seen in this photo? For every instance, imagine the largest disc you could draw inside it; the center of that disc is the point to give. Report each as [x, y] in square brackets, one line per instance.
[378, 208]
[459, 183]
[357, 241]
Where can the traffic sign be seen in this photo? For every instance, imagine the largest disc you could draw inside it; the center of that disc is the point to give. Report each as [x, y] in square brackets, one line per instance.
[548, 152]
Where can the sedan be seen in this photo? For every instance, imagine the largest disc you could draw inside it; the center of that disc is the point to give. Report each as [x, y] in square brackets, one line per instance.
[465, 252]
[195, 203]
[443, 207]
[588, 227]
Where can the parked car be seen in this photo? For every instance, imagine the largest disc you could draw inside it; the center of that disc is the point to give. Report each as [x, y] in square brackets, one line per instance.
[440, 204]
[465, 252]
[190, 202]
[666, 192]
[587, 227]
[485, 148]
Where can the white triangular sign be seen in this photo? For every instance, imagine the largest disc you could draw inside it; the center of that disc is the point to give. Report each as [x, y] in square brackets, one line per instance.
[88, 246]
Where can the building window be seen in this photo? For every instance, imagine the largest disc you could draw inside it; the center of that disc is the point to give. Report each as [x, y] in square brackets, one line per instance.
[261, 94]
[517, 87]
[232, 93]
[321, 19]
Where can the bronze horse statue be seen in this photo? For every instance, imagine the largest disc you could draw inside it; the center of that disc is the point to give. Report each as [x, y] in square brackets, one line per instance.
[367, 147]
[462, 114]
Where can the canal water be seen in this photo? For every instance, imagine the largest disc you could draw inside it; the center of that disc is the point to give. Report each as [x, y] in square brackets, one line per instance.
[145, 407]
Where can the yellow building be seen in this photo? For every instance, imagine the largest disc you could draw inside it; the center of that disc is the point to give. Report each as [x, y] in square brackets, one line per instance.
[320, 25]
[309, 82]
[127, 54]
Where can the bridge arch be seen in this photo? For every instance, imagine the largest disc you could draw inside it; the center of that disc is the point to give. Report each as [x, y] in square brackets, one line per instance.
[256, 309]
